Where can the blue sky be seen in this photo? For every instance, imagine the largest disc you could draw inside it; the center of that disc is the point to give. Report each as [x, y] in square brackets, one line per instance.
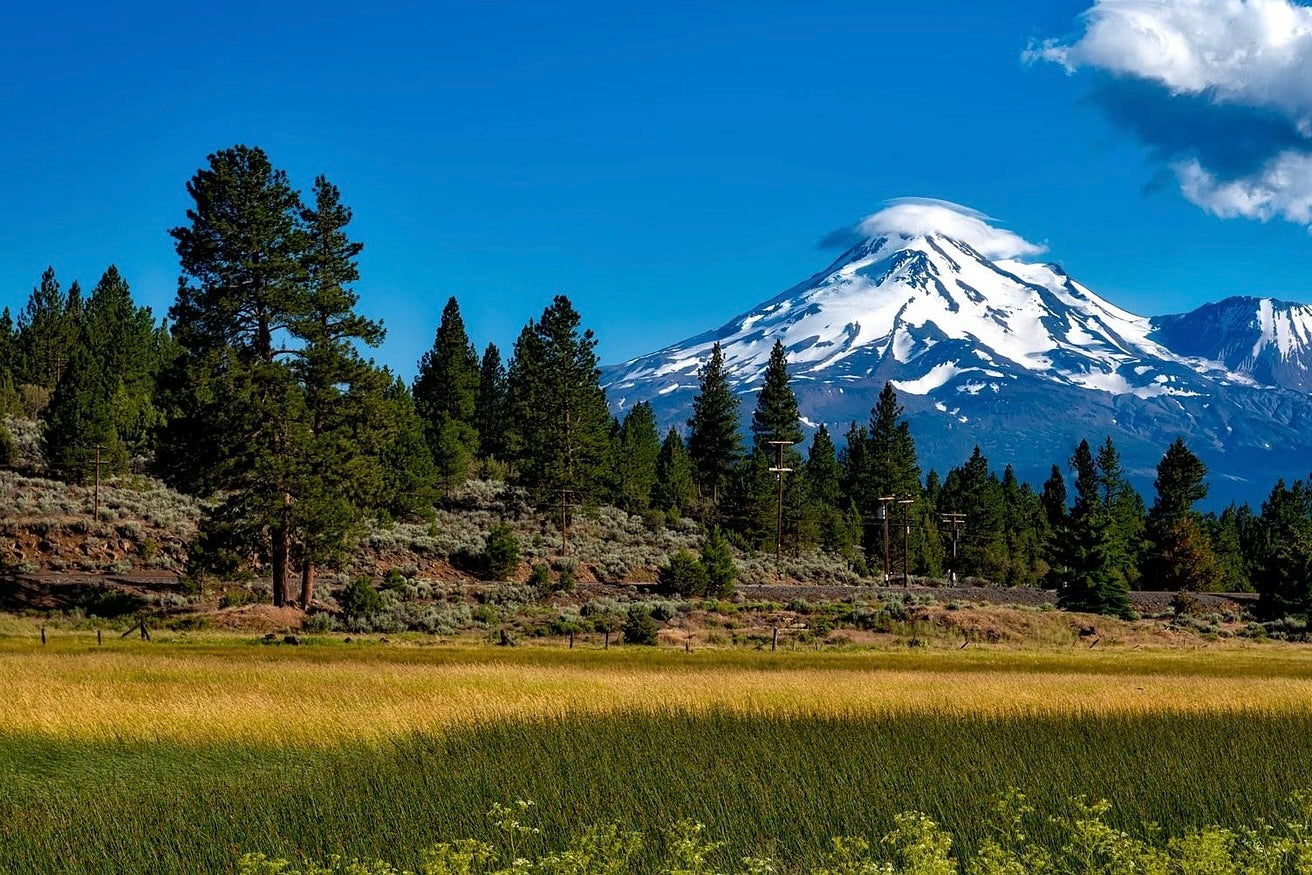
[667, 166]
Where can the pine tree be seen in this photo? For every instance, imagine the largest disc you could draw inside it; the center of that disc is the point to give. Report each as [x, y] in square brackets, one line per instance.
[974, 490]
[1126, 511]
[776, 417]
[341, 390]
[123, 338]
[1082, 550]
[80, 418]
[1227, 534]
[637, 447]
[718, 563]
[8, 342]
[674, 487]
[1180, 554]
[822, 468]
[47, 333]
[446, 392]
[490, 405]
[267, 386]
[713, 440]
[1282, 570]
[407, 473]
[561, 422]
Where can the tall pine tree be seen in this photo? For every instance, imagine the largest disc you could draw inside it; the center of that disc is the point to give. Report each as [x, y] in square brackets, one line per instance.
[714, 441]
[561, 425]
[446, 393]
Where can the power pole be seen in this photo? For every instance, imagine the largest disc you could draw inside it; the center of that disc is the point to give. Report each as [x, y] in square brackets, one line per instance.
[95, 512]
[779, 471]
[958, 522]
[906, 539]
[884, 501]
[564, 521]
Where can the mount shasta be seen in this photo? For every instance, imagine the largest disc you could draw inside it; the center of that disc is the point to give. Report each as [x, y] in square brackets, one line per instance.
[988, 345]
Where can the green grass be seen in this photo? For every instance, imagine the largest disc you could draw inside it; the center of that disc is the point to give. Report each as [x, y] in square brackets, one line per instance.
[778, 786]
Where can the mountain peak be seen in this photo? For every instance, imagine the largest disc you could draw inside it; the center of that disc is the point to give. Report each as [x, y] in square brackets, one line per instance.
[907, 219]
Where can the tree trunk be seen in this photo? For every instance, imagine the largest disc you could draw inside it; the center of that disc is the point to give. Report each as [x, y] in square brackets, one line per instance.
[282, 548]
[307, 583]
[281, 545]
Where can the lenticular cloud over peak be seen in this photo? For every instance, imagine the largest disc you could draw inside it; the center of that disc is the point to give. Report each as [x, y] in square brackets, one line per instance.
[922, 217]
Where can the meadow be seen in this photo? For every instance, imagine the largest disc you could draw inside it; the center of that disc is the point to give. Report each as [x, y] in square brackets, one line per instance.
[183, 755]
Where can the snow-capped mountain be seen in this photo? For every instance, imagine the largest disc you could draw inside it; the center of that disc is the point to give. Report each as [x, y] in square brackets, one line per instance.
[1266, 340]
[987, 344]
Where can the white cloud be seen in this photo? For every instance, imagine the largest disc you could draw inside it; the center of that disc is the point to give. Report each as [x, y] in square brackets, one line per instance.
[915, 217]
[1249, 52]
[1282, 188]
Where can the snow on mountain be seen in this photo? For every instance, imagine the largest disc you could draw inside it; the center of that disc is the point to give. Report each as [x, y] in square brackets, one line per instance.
[988, 344]
[1262, 339]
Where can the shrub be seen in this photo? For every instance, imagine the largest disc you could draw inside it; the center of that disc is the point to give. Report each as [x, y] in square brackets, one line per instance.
[639, 627]
[393, 579]
[317, 624]
[540, 576]
[565, 580]
[718, 564]
[8, 447]
[501, 555]
[684, 574]
[360, 600]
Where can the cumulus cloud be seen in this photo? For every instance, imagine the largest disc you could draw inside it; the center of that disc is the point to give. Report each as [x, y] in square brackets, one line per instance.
[916, 217]
[1282, 188]
[1219, 90]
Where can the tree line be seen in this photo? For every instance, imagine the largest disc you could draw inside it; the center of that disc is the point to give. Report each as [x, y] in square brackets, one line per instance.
[256, 393]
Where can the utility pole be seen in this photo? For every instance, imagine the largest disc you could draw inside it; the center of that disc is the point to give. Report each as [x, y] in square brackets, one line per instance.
[884, 501]
[906, 539]
[564, 521]
[779, 471]
[95, 512]
[958, 522]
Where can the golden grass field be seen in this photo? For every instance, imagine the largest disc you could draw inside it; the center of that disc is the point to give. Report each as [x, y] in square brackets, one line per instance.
[235, 690]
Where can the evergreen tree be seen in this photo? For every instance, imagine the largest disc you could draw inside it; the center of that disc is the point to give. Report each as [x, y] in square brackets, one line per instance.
[1125, 509]
[1054, 498]
[776, 417]
[974, 490]
[717, 561]
[713, 439]
[1181, 555]
[854, 466]
[1025, 526]
[674, 487]
[47, 332]
[637, 447]
[342, 391]
[8, 342]
[1282, 571]
[446, 393]
[267, 390]
[1082, 550]
[1228, 534]
[80, 418]
[892, 451]
[823, 478]
[891, 469]
[490, 405]
[407, 474]
[124, 341]
[822, 469]
[559, 408]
